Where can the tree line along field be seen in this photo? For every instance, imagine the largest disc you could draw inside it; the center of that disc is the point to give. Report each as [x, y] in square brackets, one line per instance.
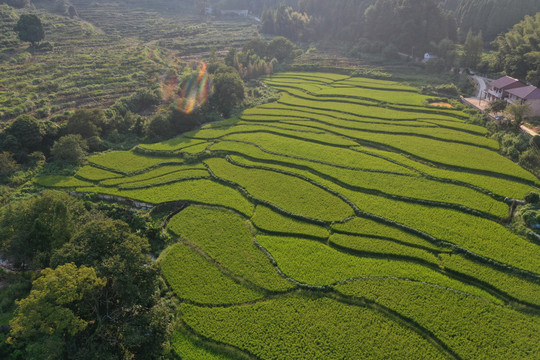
[331, 224]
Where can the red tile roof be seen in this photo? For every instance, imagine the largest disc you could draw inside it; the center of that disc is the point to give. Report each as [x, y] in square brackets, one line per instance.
[526, 93]
[504, 82]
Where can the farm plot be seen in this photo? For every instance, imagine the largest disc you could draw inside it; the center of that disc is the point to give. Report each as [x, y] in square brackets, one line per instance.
[227, 238]
[397, 186]
[314, 263]
[319, 227]
[194, 278]
[278, 189]
[129, 162]
[463, 323]
[323, 329]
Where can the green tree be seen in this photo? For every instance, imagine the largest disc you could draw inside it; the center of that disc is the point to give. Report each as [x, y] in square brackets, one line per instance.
[29, 28]
[86, 122]
[28, 131]
[518, 50]
[517, 113]
[31, 229]
[228, 92]
[160, 127]
[446, 50]
[281, 49]
[71, 149]
[497, 106]
[8, 165]
[125, 324]
[409, 23]
[62, 303]
[472, 50]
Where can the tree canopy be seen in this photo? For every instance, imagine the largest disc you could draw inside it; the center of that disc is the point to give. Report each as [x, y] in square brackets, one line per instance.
[228, 92]
[60, 305]
[492, 17]
[519, 50]
[409, 23]
[29, 28]
[31, 229]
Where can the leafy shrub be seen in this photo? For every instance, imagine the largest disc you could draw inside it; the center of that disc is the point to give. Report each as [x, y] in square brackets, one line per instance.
[532, 198]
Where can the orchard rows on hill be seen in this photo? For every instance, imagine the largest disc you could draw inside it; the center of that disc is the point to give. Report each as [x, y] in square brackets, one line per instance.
[346, 220]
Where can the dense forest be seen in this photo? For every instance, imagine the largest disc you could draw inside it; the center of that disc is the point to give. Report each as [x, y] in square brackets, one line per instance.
[348, 19]
[519, 50]
[492, 17]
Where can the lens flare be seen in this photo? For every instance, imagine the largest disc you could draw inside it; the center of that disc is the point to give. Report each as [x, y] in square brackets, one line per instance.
[194, 90]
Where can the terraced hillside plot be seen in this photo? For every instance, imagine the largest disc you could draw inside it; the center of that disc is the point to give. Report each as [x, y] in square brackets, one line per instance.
[130, 162]
[329, 225]
[463, 323]
[278, 189]
[226, 237]
[324, 329]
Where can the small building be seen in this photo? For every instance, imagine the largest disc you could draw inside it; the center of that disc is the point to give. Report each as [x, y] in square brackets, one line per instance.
[498, 89]
[526, 95]
[428, 57]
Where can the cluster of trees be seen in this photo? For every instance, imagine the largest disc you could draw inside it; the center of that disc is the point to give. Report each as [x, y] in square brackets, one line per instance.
[284, 21]
[317, 19]
[259, 57]
[472, 50]
[408, 25]
[491, 17]
[518, 50]
[99, 294]
[67, 139]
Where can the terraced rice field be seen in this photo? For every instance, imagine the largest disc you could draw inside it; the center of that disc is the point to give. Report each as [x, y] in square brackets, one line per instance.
[345, 221]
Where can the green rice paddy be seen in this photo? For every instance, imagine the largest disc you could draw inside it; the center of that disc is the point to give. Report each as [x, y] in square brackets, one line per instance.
[348, 220]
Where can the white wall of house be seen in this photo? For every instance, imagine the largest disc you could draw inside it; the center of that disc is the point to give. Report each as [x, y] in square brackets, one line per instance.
[535, 105]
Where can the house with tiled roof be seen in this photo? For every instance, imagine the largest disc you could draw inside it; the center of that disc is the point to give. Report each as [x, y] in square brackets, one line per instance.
[499, 88]
[526, 95]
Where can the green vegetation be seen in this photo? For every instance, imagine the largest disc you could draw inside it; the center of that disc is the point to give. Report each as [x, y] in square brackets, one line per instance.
[457, 323]
[518, 50]
[314, 263]
[195, 279]
[278, 189]
[266, 219]
[324, 329]
[294, 223]
[95, 174]
[29, 28]
[129, 162]
[158, 172]
[61, 181]
[189, 350]
[198, 191]
[225, 237]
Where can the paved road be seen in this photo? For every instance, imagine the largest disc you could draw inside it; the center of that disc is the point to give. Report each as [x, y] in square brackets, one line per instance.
[482, 85]
[528, 130]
